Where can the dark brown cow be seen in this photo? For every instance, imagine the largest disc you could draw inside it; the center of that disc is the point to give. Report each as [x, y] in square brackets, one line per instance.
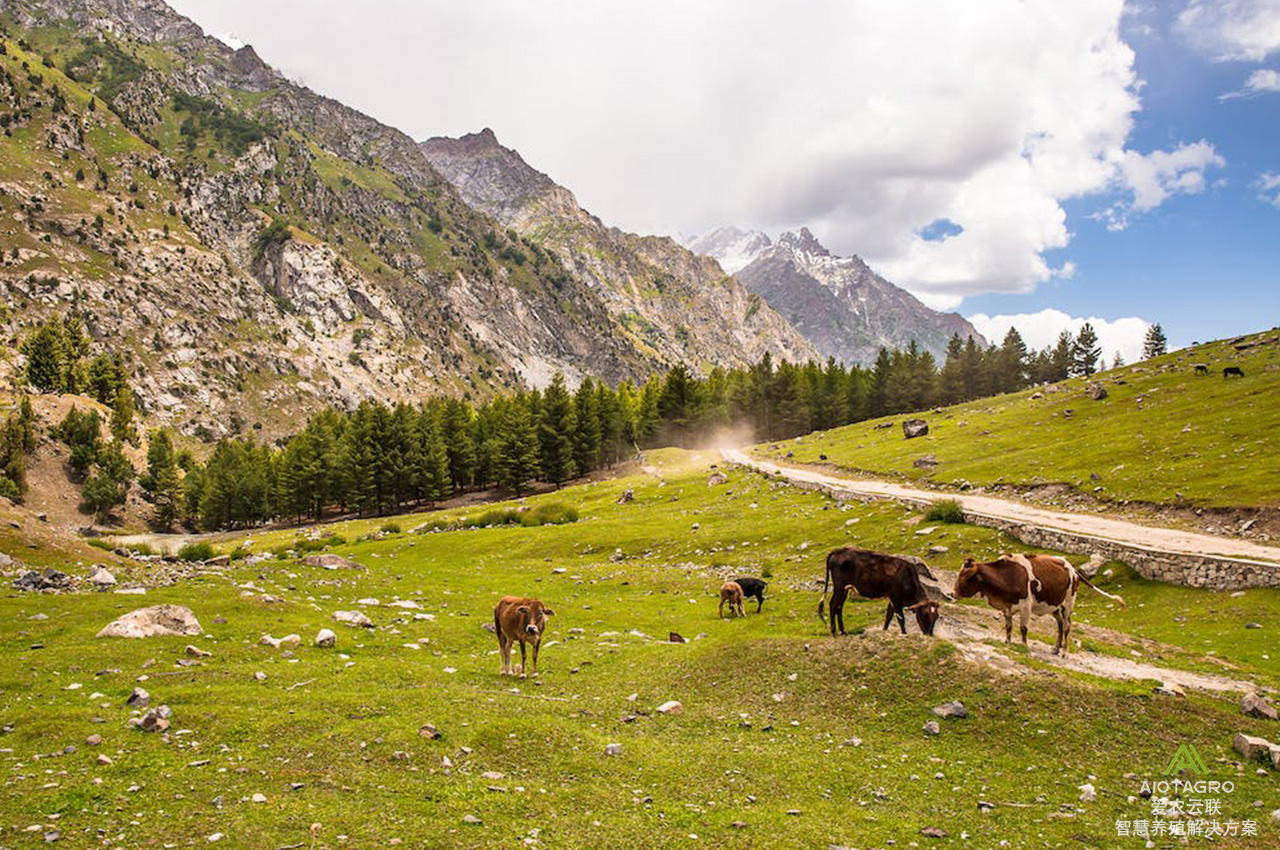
[1028, 584]
[517, 619]
[731, 593]
[876, 575]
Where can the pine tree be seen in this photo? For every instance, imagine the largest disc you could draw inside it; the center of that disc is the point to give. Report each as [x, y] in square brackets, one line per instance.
[108, 485]
[586, 428]
[556, 432]
[1155, 343]
[878, 386]
[610, 413]
[951, 379]
[46, 355]
[1086, 351]
[517, 446]
[1011, 363]
[122, 415]
[161, 482]
[1062, 358]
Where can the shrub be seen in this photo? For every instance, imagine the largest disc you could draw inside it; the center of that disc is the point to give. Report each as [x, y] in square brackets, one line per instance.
[103, 543]
[551, 513]
[391, 528]
[945, 510]
[142, 549]
[196, 552]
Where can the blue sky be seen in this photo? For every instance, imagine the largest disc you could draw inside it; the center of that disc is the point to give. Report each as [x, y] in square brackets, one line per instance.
[1204, 265]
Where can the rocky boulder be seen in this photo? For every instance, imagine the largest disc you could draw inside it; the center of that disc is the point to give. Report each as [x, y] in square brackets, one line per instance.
[102, 578]
[155, 621]
[50, 579]
[925, 462]
[912, 428]
[329, 561]
[1097, 392]
[1256, 705]
[353, 618]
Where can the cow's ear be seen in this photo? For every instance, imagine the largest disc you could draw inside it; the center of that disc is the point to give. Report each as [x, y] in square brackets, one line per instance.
[523, 609]
[547, 612]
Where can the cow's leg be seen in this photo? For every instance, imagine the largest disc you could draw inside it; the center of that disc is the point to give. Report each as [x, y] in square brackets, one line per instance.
[523, 650]
[1057, 641]
[504, 649]
[888, 616]
[536, 644]
[1024, 618]
[720, 614]
[902, 619]
[742, 612]
[1008, 626]
[837, 608]
[759, 603]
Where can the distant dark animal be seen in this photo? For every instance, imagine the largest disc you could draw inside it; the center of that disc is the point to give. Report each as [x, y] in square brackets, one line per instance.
[520, 620]
[1228, 371]
[731, 592]
[753, 588]
[1202, 369]
[1027, 584]
[876, 575]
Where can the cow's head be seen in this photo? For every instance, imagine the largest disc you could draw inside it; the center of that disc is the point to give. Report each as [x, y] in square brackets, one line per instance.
[533, 618]
[969, 581]
[926, 615]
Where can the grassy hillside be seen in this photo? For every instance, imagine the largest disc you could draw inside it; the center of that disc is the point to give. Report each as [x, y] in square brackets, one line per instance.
[771, 705]
[1161, 431]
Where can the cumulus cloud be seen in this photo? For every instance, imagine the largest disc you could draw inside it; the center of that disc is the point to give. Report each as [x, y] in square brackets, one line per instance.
[1261, 81]
[1232, 30]
[1041, 330]
[864, 120]
[1268, 186]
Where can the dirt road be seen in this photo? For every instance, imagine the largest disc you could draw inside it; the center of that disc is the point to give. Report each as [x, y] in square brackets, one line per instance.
[1151, 538]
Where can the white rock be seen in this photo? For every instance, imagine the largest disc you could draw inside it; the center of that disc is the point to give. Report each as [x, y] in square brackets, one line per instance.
[326, 638]
[353, 618]
[1087, 793]
[671, 707]
[155, 621]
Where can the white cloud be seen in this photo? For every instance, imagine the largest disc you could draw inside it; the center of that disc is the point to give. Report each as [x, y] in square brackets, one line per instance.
[1268, 186]
[1152, 178]
[864, 120]
[1041, 330]
[1232, 30]
[1261, 81]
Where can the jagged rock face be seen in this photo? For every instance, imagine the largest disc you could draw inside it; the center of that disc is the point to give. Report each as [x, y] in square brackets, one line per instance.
[671, 303]
[732, 247]
[843, 307]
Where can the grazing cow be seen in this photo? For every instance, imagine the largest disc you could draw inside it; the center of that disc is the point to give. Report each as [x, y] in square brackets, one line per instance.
[1028, 584]
[1228, 371]
[517, 619]
[731, 592]
[1202, 369]
[753, 588]
[876, 575]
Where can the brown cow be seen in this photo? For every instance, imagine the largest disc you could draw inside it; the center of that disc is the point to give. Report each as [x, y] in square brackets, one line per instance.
[731, 592]
[876, 575]
[517, 619]
[1028, 584]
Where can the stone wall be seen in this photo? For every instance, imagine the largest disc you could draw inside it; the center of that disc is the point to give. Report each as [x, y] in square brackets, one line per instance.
[1212, 572]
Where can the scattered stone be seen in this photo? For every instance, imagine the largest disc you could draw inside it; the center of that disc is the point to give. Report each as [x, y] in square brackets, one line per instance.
[672, 707]
[472, 819]
[94, 740]
[932, 728]
[138, 698]
[925, 461]
[1087, 793]
[1169, 689]
[1097, 392]
[938, 550]
[196, 652]
[217, 561]
[260, 676]
[1037, 395]
[951, 710]
[259, 798]
[213, 837]
[912, 428]
[287, 641]
[627, 496]
[49, 579]
[613, 749]
[326, 638]
[738, 825]
[676, 637]
[1251, 746]
[103, 759]
[101, 577]
[1253, 625]
[715, 479]
[933, 832]
[353, 618]
[329, 561]
[155, 621]
[1256, 705]
[616, 556]
[156, 720]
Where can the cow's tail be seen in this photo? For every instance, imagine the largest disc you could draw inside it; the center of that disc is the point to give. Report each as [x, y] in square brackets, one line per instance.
[822, 600]
[1119, 599]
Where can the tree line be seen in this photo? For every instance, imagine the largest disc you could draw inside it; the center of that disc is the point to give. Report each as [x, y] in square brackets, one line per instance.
[379, 459]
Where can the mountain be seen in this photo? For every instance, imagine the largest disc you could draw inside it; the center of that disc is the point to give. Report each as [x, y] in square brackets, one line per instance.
[838, 303]
[256, 251]
[734, 248]
[670, 303]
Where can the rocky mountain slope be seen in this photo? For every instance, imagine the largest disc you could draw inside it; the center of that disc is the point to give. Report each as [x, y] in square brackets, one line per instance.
[838, 303]
[672, 304]
[257, 250]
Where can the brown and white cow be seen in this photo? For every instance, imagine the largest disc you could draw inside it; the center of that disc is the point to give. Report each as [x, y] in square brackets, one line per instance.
[731, 593]
[517, 619]
[1027, 584]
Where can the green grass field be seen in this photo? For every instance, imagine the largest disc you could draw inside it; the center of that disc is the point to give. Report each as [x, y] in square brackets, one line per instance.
[1165, 431]
[770, 703]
